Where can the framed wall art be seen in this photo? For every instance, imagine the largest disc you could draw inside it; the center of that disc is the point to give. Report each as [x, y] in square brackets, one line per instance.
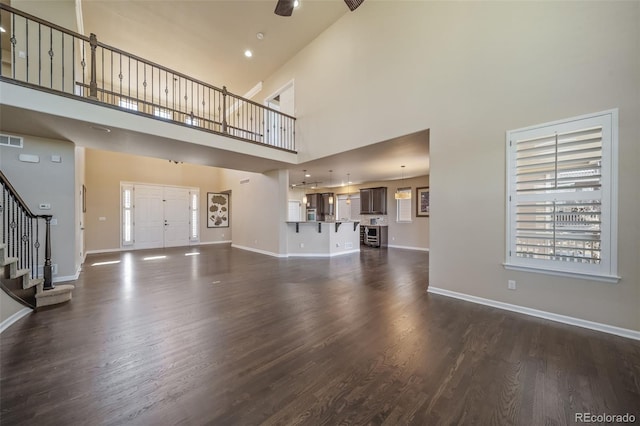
[218, 210]
[422, 202]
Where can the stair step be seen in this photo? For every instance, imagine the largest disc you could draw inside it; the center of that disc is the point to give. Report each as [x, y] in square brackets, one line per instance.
[18, 273]
[8, 260]
[60, 294]
[32, 283]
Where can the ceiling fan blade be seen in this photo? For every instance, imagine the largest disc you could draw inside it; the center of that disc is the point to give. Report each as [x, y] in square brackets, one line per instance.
[353, 4]
[284, 7]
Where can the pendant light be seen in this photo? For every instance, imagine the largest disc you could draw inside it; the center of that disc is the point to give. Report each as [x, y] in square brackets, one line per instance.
[330, 183]
[304, 196]
[348, 188]
[402, 195]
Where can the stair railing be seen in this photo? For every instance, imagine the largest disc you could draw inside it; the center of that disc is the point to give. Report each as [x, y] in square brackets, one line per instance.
[21, 233]
[48, 57]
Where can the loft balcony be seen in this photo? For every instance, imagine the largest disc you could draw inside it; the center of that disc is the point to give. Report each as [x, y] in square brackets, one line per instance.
[44, 56]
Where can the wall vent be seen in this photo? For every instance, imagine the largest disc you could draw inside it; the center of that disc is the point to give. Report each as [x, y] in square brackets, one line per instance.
[13, 141]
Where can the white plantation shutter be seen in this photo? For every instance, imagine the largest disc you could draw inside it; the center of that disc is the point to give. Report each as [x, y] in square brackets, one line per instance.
[294, 211]
[562, 196]
[403, 207]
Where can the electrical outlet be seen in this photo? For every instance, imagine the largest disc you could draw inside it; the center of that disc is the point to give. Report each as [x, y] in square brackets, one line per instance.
[511, 284]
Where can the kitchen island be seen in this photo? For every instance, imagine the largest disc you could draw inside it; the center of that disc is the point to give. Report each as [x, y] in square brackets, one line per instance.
[322, 239]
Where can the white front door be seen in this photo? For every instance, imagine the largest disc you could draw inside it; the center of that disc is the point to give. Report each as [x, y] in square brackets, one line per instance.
[149, 217]
[176, 217]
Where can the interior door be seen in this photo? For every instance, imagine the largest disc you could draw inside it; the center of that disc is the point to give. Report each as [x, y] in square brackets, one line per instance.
[148, 217]
[176, 217]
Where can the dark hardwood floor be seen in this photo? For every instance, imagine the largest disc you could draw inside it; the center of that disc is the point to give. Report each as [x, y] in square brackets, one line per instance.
[231, 337]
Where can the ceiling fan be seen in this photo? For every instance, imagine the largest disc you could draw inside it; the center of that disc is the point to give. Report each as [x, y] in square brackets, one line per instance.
[285, 7]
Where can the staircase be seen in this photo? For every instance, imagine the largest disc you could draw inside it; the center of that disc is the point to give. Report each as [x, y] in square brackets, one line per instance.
[28, 291]
[21, 253]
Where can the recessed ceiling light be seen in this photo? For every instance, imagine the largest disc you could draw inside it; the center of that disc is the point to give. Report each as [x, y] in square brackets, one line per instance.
[248, 53]
[307, 175]
[296, 3]
[260, 36]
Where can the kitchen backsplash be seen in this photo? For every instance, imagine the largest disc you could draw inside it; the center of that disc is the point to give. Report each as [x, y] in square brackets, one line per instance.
[373, 219]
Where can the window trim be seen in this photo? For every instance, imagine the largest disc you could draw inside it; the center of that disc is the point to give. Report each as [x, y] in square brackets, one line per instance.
[123, 209]
[194, 215]
[606, 271]
[398, 201]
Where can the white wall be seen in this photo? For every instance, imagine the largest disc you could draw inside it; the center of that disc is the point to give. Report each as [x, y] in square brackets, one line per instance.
[470, 71]
[258, 209]
[106, 170]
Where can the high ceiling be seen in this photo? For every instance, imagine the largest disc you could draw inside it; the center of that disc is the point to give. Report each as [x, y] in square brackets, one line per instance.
[207, 39]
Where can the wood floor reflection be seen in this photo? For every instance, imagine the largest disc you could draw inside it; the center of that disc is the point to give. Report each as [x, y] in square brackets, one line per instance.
[230, 337]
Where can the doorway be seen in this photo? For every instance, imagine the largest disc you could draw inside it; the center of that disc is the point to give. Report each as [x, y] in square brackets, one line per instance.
[155, 216]
[281, 100]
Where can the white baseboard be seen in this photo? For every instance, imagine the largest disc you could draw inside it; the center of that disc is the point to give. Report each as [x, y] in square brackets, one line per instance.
[13, 318]
[100, 251]
[408, 247]
[206, 243]
[67, 277]
[255, 250]
[131, 248]
[323, 254]
[605, 328]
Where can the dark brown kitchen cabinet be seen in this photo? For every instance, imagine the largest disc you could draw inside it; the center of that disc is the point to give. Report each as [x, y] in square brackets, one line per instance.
[320, 202]
[373, 200]
[313, 201]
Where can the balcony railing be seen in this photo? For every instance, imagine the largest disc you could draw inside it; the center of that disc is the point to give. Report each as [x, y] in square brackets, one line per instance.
[46, 56]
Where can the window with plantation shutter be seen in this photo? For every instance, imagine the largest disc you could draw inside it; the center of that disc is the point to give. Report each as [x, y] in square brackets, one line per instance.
[562, 197]
[403, 206]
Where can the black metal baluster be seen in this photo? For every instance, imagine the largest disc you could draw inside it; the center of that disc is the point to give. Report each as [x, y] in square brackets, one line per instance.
[73, 64]
[129, 79]
[1, 44]
[12, 40]
[137, 79]
[32, 267]
[83, 63]
[144, 83]
[39, 54]
[224, 109]
[120, 74]
[62, 62]
[36, 245]
[208, 116]
[111, 75]
[51, 57]
[27, 48]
